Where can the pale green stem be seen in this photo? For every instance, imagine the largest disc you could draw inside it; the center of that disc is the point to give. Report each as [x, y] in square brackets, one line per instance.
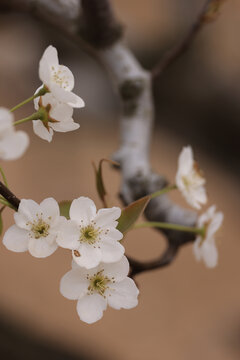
[41, 92]
[169, 226]
[4, 177]
[163, 191]
[6, 203]
[35, 116]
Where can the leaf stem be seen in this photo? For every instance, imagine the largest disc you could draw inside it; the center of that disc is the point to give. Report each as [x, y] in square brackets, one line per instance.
[163, 191]
[41, 92]
[170, 226]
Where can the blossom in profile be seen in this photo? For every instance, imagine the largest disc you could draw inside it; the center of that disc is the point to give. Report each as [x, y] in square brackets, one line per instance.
[12, 143]
[58, 79]
[204, 247]
[36, 228]
[57, 116]
[92, 236]
[94, 289]
[189, 179]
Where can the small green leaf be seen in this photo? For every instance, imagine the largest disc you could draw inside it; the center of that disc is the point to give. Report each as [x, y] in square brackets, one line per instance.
[64, 208]
[131, 213]
[99, 179]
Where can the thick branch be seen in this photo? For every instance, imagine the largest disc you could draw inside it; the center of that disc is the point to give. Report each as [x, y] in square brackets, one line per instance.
[99, 26]
[165, 259]
[181, 48]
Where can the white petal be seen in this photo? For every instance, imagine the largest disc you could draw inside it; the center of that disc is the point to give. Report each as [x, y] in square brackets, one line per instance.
[48, 60]
[89, 257]
[119, 270]
[6, 120]
[111, 250]
[197, 248]
[65, 126]
[112, 234]
[73, 286]
[42, 247]
[51, 56]
[16, 239]
[65, 78]
[123, 294]
[50, 210]
[90, 308]
[106, 217]
[68, 236]
[36, 100]
[44, 72]
[22, 221]
[215, 224]
[210, 254]
[67, 97]
[14, 145]
[41, 131]
[185, 161]
[82, 210]
[27, 211]
[61, 112]
[199, 195]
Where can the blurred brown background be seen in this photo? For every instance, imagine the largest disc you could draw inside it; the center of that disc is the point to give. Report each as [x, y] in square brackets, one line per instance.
[185, 311]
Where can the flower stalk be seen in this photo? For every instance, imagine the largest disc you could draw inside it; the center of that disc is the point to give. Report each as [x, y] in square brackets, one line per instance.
[41, 92]
[35, 116]
[162, 225]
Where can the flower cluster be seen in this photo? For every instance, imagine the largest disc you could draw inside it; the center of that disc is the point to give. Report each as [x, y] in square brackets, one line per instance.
[58, 103]
[54, 102]
[99, 274]
[190, 182]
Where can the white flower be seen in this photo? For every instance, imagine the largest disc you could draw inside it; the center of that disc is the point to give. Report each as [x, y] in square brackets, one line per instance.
[106, 284]
[58, 79]
[189, 179]
[58, 117]
[12, 143]
[204, 247]
[92, 236]
[36, 228]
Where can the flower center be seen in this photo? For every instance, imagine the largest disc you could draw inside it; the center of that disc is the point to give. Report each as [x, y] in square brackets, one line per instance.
[98, 283]
[89, 234]
[59, 77]
[40, 229]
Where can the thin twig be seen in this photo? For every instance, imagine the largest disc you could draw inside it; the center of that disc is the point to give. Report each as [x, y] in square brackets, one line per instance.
[9, 196]
[181, 48]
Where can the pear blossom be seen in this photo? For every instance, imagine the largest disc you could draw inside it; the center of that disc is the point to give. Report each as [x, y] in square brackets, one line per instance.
[189, 179]
[36, 228]
[94, 289]
[58, 117]
[204, 246]
[92, 236]
[12, 143]
[58, 79]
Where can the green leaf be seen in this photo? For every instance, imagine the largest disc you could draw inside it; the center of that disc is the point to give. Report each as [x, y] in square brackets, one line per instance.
[131, 213]
[99, 179]
[64, 208]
